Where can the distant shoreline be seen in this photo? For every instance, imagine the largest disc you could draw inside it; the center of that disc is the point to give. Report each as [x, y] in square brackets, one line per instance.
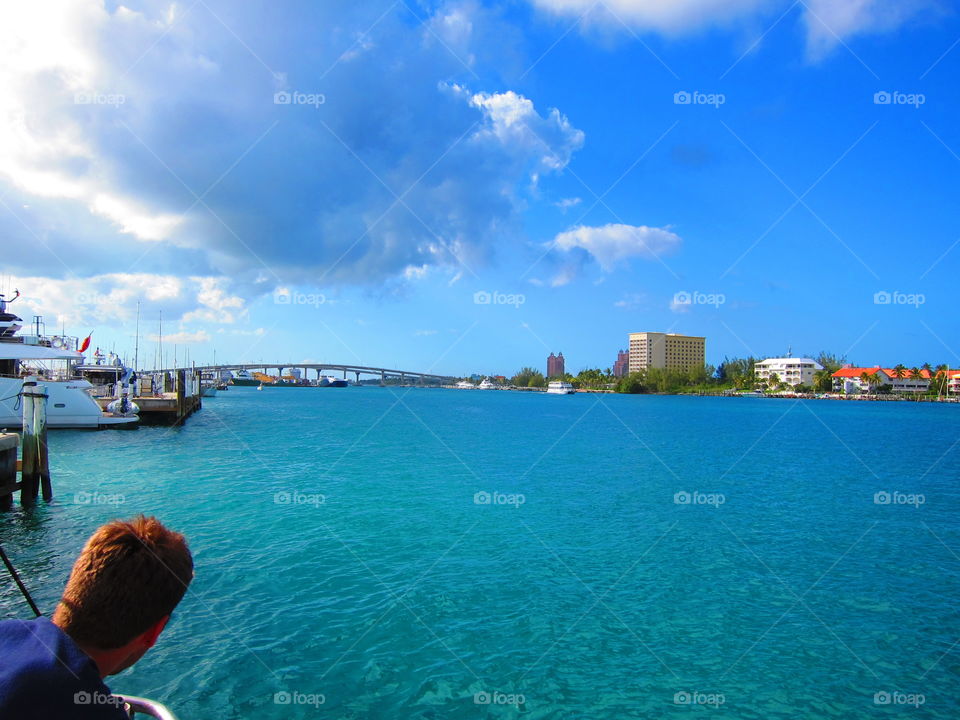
[728, 394]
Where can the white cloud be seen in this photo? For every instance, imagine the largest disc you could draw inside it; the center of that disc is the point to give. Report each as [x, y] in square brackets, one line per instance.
[827, 21]
[514, 123]
[111, 298]
[44, 125]
[567, 203]
[176, 141]
[566, 274]
[424, 333]
[183, 337]
[216, 304]
[615, 242]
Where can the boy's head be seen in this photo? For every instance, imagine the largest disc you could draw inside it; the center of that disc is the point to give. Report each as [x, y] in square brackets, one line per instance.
[128, 579]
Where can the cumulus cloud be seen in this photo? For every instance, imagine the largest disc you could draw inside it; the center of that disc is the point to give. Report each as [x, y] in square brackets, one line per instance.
[512, 121]
[111, 299]
[150, 141]
[615, 242]
[827, 21]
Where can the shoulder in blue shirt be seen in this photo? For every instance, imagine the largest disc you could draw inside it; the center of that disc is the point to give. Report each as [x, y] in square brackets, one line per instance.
[44, 675]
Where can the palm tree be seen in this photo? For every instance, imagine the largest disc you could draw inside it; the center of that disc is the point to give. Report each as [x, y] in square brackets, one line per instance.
[943, 373]
[865, 380]
[823, 380]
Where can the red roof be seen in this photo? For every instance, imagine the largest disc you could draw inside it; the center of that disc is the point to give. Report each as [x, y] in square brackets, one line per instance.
[855, 372]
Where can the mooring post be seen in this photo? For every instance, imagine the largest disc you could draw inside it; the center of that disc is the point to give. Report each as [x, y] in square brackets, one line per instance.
[8, 469]
[40, 431]
[180, 381]
[35, 468]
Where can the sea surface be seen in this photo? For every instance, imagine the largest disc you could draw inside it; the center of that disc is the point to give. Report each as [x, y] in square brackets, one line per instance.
[426, 553]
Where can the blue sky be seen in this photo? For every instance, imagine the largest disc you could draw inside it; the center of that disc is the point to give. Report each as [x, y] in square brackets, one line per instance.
[349, 182]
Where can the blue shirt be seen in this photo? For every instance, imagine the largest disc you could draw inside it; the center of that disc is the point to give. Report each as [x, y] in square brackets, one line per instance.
[45, 676]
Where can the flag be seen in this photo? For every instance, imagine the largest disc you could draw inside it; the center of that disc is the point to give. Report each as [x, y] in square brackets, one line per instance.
[85, 344]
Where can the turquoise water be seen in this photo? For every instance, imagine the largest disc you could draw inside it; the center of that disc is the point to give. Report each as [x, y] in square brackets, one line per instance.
[342, 558]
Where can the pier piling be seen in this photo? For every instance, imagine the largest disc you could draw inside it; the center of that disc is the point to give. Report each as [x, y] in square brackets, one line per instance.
[8, 469]
[35, 466]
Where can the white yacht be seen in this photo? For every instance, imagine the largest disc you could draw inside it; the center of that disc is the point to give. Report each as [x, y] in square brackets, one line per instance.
[486, 385]
[53, 363]
[558, 387]
[466, 385]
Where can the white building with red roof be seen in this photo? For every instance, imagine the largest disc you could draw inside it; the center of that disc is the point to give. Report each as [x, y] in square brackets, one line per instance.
[850, 379]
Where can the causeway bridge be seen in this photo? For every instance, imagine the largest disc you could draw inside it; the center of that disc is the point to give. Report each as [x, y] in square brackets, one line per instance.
[403, 376]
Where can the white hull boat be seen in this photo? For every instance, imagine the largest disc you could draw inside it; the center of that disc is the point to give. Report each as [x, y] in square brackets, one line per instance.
[560, 388]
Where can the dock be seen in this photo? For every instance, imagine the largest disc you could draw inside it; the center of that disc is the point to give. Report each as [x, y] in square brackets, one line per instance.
[174, 396]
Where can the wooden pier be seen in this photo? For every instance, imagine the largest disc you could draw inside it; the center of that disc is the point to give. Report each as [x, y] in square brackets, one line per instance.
[176, 397]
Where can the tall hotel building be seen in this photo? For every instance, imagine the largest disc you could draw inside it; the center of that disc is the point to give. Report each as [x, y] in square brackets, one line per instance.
[666, 351]
[622, 366]
[555, 365]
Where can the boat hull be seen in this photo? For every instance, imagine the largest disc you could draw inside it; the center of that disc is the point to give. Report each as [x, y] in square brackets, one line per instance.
[69, 406]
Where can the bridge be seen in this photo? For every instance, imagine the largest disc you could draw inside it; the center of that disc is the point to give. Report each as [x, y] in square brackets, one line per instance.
[327, 368]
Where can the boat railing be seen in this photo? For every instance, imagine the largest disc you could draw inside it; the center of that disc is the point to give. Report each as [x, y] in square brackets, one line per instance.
[142, 706]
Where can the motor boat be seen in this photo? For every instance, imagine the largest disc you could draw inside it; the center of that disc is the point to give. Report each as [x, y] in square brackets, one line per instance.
[486, 385]
[558, 387]
[465, 385]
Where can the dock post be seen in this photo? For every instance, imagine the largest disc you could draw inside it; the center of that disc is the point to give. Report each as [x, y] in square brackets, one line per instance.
[180, 389]
[8, 470]
[35, 471]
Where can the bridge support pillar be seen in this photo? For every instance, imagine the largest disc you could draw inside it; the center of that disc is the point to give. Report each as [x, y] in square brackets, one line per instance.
[357, 373]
